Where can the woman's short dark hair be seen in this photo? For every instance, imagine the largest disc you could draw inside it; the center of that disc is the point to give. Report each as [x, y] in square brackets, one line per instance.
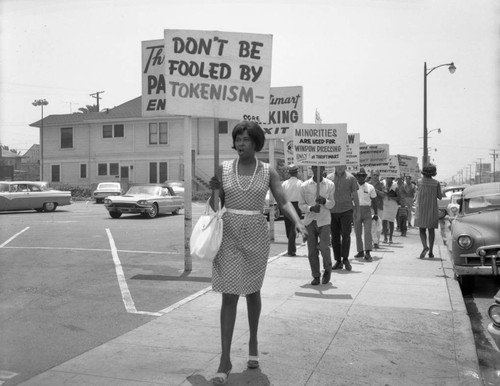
[429, 170]
[254, 131]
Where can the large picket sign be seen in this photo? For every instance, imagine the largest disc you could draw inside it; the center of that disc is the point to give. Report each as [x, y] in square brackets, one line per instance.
[217, 74]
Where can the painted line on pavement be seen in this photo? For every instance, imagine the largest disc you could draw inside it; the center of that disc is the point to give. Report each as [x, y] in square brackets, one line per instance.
[13, 237]
[122, 282]
[95, 250]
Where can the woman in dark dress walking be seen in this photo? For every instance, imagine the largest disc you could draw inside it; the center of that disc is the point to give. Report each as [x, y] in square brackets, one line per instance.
[427, 213]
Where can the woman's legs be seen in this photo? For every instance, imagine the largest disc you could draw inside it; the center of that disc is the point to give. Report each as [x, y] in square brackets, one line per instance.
[423, 239]
[227, 321]
[254, 306]
[391, 230]
[431, 241]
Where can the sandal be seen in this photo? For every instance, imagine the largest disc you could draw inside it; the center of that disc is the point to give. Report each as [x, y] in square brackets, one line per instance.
[424, 252]
[220, 379]
[253, 362]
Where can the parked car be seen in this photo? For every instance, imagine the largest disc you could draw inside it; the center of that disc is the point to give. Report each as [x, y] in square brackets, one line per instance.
[494, 314]
[443, 203]
[177, 186]
[453, 207]
[277, 212]
[148, 200]
[475, 233]
[37, 195]
[105, 189]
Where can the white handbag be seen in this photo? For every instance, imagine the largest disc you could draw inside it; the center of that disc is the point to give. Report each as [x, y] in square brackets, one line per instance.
[206, 236]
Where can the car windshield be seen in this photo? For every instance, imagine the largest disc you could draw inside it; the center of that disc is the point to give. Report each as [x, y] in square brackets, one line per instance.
[107, 186]
[150, 190]
[482, 202]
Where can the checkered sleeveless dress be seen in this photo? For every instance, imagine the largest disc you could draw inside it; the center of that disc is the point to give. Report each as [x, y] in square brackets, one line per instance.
[240, 265]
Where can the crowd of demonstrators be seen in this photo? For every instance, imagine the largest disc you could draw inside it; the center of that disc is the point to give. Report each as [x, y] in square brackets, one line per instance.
[427, 212]
[291, 186]
[363, 221]
[316, 205]
[342, 215]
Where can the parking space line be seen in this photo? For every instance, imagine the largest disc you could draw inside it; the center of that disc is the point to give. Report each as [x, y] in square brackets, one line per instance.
[13, 237]
[122, 282]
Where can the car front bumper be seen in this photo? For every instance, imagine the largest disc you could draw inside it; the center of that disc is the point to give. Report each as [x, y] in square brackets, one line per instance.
[485, 262]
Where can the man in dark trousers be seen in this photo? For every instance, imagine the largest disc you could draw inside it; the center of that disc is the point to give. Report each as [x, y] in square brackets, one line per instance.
[346, 205]
[292, 190]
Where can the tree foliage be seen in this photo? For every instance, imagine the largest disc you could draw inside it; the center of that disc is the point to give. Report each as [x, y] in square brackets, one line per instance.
[88, 109]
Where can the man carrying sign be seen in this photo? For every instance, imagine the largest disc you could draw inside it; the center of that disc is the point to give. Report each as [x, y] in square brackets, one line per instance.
[315, 202]
[346, 206]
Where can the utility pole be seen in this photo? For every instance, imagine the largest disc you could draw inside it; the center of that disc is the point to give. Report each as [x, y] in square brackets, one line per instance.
[96, 95]
[495, 156]
[480, 169]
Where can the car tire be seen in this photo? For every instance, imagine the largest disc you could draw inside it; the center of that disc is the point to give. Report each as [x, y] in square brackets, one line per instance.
[115, 214]
[176, 212]
[467, 282]
[442, 213]
[153, 212]
[49, 206]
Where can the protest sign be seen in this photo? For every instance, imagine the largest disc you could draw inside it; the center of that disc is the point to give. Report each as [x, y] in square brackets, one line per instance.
[153, 78]
[408, 165]
[285, 109]
[373, 154]
[320, 144]
[352, 152]
[217, 74]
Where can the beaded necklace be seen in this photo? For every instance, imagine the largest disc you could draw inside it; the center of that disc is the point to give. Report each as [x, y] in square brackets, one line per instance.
[253, 176]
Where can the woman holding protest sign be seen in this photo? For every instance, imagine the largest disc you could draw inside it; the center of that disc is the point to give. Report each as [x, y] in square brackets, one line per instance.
[239, 266]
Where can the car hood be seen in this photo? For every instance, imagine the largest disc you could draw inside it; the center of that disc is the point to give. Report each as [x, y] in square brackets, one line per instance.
[131, 197]
[487, 224]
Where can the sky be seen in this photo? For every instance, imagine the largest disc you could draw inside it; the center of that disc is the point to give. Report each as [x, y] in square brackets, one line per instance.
[360, 62]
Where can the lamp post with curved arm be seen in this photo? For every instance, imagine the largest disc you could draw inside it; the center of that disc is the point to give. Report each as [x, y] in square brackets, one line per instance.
[41, 103]
[451, 68]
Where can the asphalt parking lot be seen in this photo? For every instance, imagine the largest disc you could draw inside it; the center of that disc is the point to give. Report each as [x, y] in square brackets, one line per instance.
[76, 278]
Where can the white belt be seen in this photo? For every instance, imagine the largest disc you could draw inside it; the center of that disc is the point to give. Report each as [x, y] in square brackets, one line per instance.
[245, 212]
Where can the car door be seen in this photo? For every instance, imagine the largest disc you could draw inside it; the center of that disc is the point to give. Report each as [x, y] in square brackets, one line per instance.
[18, 198]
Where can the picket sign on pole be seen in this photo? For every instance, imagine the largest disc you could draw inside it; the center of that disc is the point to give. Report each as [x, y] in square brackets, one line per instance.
[271, 198]
[188, 217]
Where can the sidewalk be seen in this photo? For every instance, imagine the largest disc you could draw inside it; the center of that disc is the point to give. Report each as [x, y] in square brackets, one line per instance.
[398, 320]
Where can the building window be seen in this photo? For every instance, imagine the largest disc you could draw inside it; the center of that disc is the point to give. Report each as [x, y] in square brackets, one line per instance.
[110, 131]
[102, 169]
[158, 172]
[113, 169]
[223, 127]
[66, 138]
[83, 170]
[158, 133]
[56, 173]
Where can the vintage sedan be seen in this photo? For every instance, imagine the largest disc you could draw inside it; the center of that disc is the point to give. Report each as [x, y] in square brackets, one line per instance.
[447, 193]
[475, 233]
[26, 195]
[148, 200]
[105, 189]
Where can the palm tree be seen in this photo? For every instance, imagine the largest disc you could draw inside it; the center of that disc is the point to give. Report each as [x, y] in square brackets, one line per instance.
[88, 109]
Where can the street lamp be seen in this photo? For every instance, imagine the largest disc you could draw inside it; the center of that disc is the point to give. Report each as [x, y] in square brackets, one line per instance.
[41, 102]
[451, 68]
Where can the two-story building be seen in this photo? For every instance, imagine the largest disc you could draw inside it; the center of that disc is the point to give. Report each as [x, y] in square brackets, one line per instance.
[119, 144]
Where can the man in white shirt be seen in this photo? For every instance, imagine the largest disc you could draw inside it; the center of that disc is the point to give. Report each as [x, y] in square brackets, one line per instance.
[292, 190]
[366, 193]
[317, 218]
